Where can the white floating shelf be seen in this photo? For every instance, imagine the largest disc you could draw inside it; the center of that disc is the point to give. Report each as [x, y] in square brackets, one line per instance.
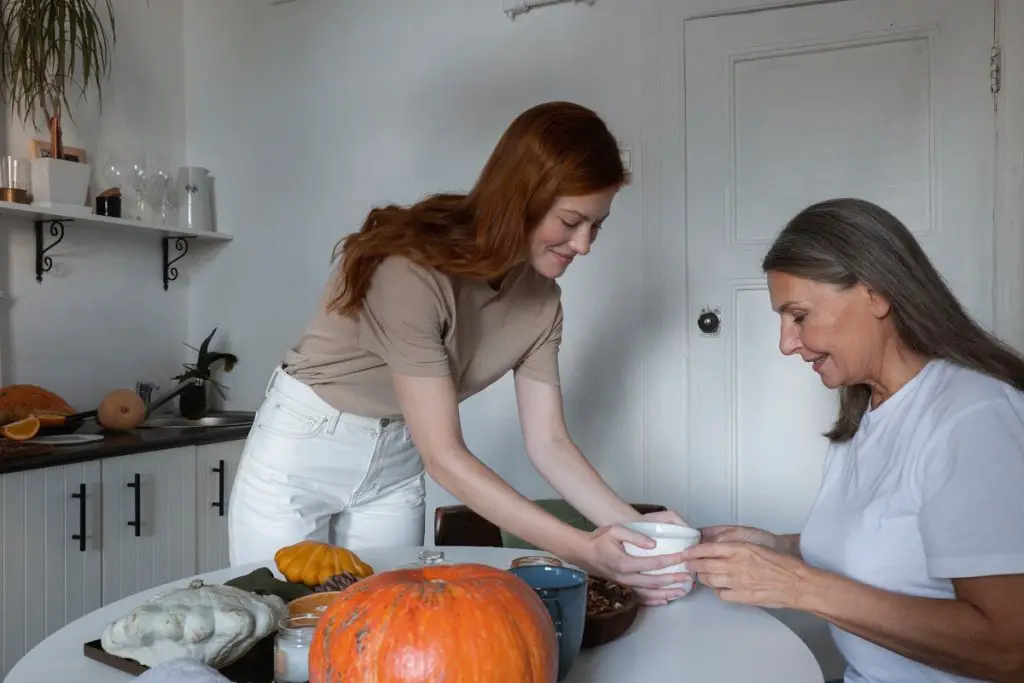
[168, 235]
[96, 222]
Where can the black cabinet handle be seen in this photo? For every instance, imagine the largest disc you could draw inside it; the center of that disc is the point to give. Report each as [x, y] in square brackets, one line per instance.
[219, 503]
[137, 485]
[80, 536]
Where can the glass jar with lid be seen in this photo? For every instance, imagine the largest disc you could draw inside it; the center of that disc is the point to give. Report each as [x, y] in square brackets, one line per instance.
[535, 560]
[430, 557]
[291, 648]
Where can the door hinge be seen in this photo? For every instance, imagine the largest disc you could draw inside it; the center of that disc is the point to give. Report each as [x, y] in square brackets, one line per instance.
[996, 69]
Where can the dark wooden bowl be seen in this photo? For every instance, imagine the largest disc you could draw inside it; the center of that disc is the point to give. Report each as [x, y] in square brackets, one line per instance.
[604, 627]
[70, 425]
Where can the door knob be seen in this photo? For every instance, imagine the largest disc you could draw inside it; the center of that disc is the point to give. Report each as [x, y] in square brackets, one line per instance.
[709, 321]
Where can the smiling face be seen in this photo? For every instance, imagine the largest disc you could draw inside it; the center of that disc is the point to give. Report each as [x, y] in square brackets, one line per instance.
[843, 333]
[568, 230]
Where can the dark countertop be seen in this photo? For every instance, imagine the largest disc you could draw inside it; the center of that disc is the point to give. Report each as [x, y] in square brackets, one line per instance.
[21, 456]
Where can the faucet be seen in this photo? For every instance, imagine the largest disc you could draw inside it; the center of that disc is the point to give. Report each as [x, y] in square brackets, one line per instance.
[145, 391]
[155, 403]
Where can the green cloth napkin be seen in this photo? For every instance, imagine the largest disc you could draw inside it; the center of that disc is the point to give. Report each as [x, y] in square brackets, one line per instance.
[561, 510]
[263, 581]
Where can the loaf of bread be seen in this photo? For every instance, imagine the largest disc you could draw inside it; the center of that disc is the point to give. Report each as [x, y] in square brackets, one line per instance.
[18, 401]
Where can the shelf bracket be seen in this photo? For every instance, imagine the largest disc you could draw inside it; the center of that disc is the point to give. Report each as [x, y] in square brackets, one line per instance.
[43, 262]
[180, 245]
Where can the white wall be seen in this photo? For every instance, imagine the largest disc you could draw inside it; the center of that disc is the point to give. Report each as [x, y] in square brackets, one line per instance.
[328, 108]
[100, 319]
[311, 112]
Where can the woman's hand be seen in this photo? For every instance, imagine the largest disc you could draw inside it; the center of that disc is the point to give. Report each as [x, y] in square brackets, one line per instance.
[604, 555]
[747, 572]
[739, 534]
[783, 543]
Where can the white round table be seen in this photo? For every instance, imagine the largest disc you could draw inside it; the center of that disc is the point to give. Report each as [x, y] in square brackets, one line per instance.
[696, 638]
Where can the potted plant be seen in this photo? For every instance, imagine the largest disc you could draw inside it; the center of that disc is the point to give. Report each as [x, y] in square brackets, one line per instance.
[193, 402]
[50, 49]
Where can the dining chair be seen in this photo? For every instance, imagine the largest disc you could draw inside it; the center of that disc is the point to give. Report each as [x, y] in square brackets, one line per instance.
[458, 525]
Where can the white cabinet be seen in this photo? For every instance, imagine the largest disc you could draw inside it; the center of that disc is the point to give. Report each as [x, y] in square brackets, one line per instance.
[50, 572]
[149, 520]
[216, 464]
[145, 519]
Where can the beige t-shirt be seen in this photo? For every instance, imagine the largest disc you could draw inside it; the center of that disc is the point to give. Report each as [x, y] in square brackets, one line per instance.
[418, 321]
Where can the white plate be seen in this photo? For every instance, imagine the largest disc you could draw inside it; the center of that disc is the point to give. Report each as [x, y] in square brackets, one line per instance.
[68, 439]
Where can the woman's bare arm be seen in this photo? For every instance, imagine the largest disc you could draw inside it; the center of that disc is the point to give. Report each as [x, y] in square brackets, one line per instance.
[788, 543]
[431, 412]
[559, 460]
[979, 634]
[430, 407]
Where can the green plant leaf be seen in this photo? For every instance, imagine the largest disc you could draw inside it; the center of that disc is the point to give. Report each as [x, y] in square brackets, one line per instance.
[51, 50]
[205, 359]
[229, 359]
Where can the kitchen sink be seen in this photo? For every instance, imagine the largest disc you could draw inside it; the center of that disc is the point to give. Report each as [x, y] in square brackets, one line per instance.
[221, 419]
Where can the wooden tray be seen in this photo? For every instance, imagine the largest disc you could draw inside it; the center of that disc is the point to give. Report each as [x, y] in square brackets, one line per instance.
[257, 666]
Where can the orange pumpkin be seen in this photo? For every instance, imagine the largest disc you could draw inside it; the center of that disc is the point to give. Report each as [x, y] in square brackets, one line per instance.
[313, 562]
[460, 623]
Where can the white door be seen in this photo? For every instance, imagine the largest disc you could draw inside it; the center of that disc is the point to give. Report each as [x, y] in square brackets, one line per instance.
[888, 100]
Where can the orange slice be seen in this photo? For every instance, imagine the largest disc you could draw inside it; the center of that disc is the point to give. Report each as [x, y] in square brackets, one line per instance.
[51, 420]
[22, 430]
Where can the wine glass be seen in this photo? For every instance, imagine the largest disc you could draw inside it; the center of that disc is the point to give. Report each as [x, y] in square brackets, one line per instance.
[114, 171]
[137, 176]
[159, 176]
[171, 201]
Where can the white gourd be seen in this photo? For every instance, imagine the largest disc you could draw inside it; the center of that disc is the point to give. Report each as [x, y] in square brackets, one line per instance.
[214, 624]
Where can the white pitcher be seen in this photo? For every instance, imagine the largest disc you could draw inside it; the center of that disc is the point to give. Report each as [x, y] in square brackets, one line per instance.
[195, 210]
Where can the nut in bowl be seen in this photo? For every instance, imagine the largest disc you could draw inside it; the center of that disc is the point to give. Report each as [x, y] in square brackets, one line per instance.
[669, 539]
[611, 610]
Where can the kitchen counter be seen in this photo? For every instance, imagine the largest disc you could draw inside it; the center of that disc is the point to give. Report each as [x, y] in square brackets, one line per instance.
[21, 456]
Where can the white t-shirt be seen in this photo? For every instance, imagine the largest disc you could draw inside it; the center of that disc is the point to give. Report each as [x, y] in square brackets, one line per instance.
[929, 489]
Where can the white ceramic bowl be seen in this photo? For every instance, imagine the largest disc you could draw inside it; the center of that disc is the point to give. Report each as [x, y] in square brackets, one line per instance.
[669, 539]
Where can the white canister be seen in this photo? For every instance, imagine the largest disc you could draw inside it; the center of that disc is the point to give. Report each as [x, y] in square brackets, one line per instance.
[195, 208]
[291, 648]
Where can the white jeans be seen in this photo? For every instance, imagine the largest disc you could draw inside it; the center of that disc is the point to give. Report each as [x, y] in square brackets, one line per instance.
[309, 471]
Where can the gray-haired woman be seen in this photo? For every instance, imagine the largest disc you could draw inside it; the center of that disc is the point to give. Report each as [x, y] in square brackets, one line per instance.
[914, 548]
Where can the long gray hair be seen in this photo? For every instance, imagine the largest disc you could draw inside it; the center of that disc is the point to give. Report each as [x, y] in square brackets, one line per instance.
[849, 241]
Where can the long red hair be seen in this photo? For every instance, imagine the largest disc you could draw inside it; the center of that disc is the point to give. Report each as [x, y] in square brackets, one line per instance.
[550, 150]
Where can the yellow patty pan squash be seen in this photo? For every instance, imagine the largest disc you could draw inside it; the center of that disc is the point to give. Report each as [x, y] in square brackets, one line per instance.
[313, 562]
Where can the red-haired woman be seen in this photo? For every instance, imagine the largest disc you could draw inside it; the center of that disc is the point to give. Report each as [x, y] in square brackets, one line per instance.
[431, 304]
